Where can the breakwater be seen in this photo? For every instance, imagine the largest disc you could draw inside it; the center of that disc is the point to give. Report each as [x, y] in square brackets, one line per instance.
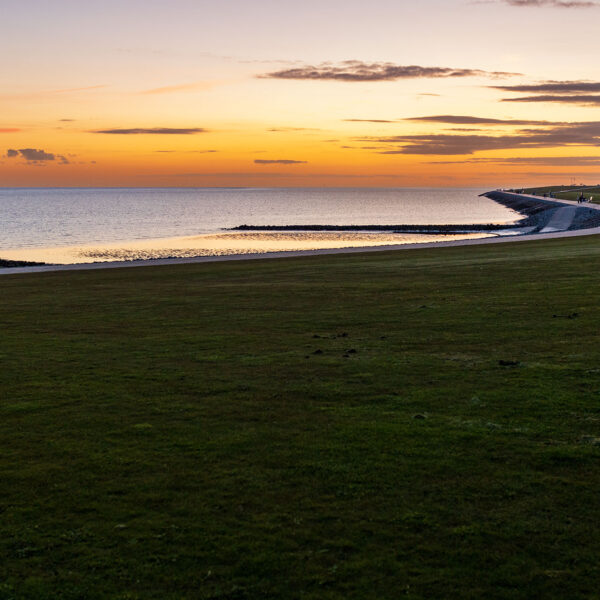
[450, 229]
[18, 263]
[526, 205]
[531, 218]
[537, 212]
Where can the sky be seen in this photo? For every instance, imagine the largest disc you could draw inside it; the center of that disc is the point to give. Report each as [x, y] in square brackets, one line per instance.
[491, 93]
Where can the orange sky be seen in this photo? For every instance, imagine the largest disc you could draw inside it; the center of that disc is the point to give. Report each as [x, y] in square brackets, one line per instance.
[187, 93]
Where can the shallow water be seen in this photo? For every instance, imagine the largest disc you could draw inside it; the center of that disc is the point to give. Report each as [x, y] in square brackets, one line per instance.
[88, 225]
[219, 245]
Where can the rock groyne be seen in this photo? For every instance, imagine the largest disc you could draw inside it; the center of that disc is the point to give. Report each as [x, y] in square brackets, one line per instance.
[449, 229]
[536, 213]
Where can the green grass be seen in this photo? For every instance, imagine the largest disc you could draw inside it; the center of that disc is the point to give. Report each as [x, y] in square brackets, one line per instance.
[169, 432]
[560, 192]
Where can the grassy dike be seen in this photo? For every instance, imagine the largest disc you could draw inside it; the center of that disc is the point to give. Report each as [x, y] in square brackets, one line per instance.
[568, 193]
[181, 432]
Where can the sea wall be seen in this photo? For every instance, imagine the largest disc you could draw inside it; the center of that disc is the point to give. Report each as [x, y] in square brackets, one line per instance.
[538, 211]
[535, 215]
[526, 205]
[442, 228]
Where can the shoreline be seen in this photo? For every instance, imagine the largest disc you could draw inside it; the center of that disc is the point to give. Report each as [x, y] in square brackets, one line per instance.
[537, 219]
[298, 253]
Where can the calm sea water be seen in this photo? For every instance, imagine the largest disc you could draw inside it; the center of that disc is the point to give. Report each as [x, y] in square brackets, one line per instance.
[35, 218]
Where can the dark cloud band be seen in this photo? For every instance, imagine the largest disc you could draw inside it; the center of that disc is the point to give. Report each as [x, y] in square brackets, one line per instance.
[553, 87]
[468, 120]
[354, 70]
[153, 131]
[581, 100]
[550, 161]
[554, 136]
[583, 93]
[34, 155]
[279, 161]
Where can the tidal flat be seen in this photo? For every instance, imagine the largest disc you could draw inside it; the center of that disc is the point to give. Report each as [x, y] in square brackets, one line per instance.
[221, 244]
[422, 423]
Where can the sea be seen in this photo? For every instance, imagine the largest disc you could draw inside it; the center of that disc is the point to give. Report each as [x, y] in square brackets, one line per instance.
[71, 225]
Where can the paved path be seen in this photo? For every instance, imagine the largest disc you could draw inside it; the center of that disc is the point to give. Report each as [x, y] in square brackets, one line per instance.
[561, 220]
[558, 201]
[204, 259]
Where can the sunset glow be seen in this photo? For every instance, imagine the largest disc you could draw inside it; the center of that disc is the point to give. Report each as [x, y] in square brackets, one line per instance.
[188, 93]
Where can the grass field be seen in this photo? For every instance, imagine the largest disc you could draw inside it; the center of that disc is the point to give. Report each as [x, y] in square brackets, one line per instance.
[561, 192]
[420, 424]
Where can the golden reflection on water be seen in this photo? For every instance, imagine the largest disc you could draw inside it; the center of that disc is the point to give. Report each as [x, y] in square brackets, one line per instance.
[222, 244]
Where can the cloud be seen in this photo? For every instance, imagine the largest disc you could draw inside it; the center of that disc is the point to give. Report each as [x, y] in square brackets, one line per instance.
[153, 131]
[449, 144]
[278, 161]
[556, 135]
[36, 156]
[582, 100]
[555, 87]
[584, 93]
[546, 174]
[355, 70]
[552, 3]
[66, 120]
[9, 130]
[467, 120]
[360, 148]
[551, 161]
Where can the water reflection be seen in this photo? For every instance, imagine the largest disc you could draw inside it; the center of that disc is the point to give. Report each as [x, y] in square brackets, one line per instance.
[221, 244]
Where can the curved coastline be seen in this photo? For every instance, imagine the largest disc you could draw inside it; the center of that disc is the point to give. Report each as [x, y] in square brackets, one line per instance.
[537, 214]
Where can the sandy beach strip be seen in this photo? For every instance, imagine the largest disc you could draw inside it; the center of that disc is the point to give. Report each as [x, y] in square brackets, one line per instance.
[298, 253]
[219, 244]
